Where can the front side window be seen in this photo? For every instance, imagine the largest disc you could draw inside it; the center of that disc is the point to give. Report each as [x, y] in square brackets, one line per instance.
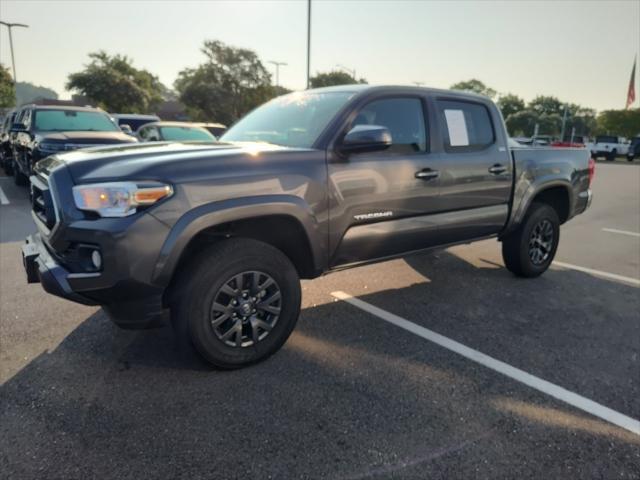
[185, 134]
[467, 125]
[73, 120]
[606, 139]
[294, 120]
[403, 117]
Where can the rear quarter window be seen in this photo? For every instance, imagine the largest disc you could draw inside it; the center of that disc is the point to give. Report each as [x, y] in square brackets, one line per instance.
[467, 126]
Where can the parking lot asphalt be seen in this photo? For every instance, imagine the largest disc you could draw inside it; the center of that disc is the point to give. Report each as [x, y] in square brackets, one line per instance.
[350, 395]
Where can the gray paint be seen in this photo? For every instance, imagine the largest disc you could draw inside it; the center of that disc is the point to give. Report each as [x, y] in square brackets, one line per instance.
[352, 208]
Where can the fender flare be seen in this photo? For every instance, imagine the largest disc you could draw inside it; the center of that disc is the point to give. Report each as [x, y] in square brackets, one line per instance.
[520, 210]
[216, 213]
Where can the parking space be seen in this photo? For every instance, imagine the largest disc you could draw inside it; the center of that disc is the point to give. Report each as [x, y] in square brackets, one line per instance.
[350, 395]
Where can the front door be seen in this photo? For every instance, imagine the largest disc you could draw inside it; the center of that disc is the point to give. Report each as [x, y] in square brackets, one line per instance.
[381, 201]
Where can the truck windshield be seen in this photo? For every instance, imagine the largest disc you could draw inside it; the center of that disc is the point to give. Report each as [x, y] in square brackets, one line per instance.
[294, 120]
[72, 120]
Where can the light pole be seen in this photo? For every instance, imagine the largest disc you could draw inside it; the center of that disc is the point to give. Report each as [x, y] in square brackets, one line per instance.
[308, 41]
[348, 70]
[278, 65]
[13, 61]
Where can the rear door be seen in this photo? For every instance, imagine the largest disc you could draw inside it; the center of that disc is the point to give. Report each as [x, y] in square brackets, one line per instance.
[381, 201]
[475, 169]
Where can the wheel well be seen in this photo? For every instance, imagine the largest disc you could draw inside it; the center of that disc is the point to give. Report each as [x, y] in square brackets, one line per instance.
[281, 231]
[558, 198]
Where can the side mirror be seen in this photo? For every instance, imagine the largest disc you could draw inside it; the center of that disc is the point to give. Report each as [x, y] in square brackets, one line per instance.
[366, 138]
[18, 127]
[126, 129]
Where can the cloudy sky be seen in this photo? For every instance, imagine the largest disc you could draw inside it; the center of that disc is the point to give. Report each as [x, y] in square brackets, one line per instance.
[581, 52]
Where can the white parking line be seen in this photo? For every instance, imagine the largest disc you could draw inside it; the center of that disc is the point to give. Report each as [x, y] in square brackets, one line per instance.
[532, 381]
[599, 273]
[3, 198]
[621, 232]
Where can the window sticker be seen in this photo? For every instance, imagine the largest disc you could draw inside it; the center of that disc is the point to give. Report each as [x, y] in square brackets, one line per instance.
[458, 136]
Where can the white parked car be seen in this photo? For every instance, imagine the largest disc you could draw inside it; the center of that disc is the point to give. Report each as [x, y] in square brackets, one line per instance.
[608, 146]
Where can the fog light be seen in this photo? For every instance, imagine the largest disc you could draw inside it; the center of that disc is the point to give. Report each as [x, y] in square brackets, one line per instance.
[96, 259]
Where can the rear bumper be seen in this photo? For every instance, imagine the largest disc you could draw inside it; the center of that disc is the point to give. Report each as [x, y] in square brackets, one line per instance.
[143, 311]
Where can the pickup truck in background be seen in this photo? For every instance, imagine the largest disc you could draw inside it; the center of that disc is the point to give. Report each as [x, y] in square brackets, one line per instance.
[42, 130]
[608, 146]
[215, 236]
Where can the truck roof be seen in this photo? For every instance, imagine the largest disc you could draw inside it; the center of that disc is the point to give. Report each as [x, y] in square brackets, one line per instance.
[361, 88]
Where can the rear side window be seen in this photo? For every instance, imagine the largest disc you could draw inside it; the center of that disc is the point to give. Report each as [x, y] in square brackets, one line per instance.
[467, 126]
[404, 117]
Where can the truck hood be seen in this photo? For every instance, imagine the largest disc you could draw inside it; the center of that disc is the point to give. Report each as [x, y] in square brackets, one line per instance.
[166, 161]
[85, 137]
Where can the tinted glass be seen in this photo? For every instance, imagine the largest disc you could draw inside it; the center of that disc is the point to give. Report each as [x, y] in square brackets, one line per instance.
[294, 120]
[467, 125]
[134, 123]
[185, 133]
[404, 117]
[72, 120]
[606, 139]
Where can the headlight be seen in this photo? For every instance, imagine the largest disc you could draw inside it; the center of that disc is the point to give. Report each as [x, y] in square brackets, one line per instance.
[50, 147]
[118, 199]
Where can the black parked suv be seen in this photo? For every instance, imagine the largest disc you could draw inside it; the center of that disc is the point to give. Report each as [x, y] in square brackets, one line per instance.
[6, 161]
[39, 131]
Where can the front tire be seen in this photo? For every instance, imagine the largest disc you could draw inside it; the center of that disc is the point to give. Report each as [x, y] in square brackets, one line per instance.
[529, 250]
[239, 302]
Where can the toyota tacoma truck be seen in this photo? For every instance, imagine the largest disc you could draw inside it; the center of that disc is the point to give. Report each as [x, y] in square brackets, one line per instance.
[214, 236]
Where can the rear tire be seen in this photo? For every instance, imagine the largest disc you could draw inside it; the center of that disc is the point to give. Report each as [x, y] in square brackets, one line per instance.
[529, 250]
[226, 336]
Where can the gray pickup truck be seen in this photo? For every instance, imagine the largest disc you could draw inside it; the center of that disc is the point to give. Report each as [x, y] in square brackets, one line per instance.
[215, 236]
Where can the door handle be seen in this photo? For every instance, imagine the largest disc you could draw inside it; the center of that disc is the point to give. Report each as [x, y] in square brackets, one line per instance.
[427, 174]
[497, 169]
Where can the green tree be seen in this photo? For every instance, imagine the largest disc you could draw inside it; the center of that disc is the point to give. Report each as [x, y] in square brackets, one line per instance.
[27, 92]
[625, 123]
[335, 77]
[231, 82]
[522, 123]
[510, 104]
[7, 89]
[474, 86]
[116, 85]
[546, 105]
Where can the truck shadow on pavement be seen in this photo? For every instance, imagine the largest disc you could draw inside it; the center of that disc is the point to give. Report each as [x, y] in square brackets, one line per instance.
[349, 396]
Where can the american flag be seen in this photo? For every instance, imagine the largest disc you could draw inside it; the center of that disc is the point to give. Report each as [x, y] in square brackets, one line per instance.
[631, 94]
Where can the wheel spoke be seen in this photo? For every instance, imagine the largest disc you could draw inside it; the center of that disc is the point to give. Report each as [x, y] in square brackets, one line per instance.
[268, 301]
[218, 307]
[219, 320]
[239, 281]
[229, 333]
[267, 283]
[239, 334]
[226, 288]
[255, 282]
[254, 330]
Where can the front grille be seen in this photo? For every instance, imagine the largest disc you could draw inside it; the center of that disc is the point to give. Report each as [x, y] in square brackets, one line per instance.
[42, 203]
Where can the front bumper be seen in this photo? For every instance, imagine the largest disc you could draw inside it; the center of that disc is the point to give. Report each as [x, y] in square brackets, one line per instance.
[128, 304]
[41, 267]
